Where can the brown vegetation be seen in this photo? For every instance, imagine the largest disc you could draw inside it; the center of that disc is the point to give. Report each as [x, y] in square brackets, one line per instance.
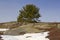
[54, 34]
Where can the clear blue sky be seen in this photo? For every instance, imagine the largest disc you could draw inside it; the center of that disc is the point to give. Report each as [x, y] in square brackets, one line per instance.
[49, 9]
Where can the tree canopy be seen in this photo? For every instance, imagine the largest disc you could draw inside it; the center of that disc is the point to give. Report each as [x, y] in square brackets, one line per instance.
[29, 13]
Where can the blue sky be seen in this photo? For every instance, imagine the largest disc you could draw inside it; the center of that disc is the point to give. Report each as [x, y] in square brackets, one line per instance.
[49, 9]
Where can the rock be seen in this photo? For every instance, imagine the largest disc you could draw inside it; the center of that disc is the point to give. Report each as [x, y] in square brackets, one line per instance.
[1, 38]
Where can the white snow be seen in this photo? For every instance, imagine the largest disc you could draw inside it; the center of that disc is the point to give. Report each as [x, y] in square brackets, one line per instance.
[3, 29]
[27, 36]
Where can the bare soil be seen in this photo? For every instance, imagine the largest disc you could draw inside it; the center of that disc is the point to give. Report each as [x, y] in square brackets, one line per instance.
[54, 34]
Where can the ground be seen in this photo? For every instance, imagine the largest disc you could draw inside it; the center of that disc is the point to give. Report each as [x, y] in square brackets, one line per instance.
[54, 34]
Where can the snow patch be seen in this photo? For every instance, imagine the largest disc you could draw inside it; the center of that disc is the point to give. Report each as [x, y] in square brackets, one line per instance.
[27, 36]
[3, 29]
